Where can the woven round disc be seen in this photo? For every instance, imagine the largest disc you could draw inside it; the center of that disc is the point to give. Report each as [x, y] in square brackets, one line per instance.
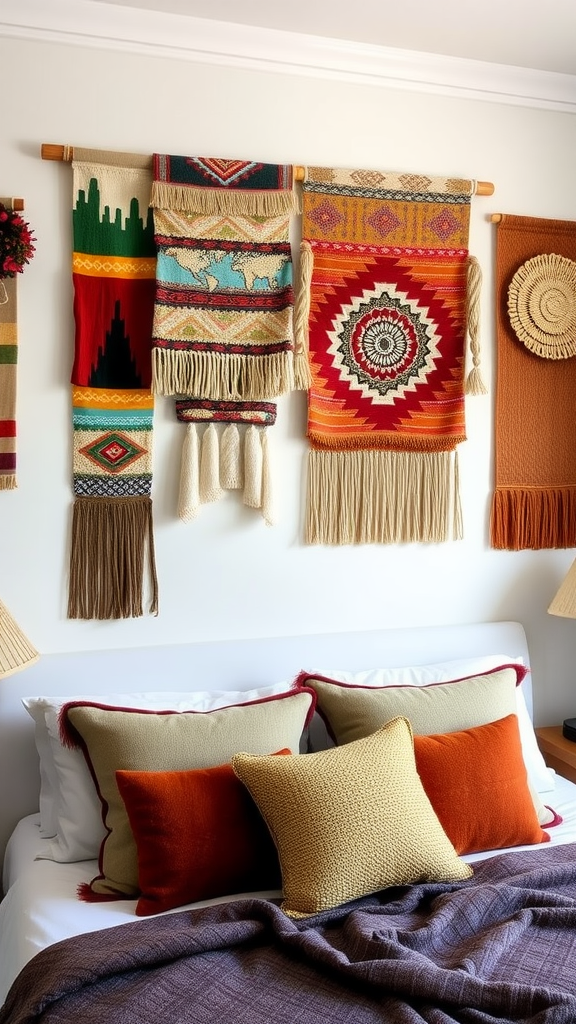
[542, 306]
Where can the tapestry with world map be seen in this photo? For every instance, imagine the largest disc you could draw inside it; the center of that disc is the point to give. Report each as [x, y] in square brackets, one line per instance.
[387, 260]
[114, 267]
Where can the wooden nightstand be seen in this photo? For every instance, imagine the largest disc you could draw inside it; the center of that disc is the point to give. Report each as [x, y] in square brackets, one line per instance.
[558, 752]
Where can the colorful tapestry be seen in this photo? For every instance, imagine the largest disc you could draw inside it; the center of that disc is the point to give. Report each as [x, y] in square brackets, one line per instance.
[534, 500]
[388, 279]
[114, 266]
[8, 368]
[223, 322]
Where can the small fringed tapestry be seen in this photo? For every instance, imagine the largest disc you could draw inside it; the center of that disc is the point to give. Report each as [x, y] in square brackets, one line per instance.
[388, 291]
[114, 269]
[534, 500]
[223, 326]
[8, 370]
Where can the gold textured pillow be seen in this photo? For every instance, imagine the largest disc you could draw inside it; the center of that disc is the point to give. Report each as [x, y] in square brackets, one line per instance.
[350, 820]
[352, 712]
[130, 740]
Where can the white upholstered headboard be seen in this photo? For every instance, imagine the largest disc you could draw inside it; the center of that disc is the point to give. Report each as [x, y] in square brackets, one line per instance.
[230, 664]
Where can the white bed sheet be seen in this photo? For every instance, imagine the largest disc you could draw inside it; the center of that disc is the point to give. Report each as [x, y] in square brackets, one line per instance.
[41, 904]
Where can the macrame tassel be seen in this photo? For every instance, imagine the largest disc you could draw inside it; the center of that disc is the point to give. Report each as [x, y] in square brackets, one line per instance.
[252, 469]
[210, 489]
[107, 558]
[302, 375]
[231, 469]
[189, 495]
[474, 384]
[381, 497]
[267, 502]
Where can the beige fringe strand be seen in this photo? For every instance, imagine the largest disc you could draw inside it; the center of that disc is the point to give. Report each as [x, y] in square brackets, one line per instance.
[107, 558]
[218, 377]
[267, 500]
[189, 199]
[474, 384]
[189, 493]
[8, 483]
[252, 495]
[533, 517]
[302, 374]
[381, 497]
[231, 468]
[210, 489]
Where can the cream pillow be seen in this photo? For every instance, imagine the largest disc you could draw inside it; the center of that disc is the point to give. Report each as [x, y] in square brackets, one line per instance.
[127, 739]
[350, 820]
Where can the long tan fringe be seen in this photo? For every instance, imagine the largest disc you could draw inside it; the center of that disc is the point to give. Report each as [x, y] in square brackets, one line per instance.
[107, 558]
[216, 376]
[267, 497]
[231, 468]
[533, 517]
[189, 492]
[165, 196]
[8, 483]
[474, 384]
[302, 375]
[252, 495]
[381, 497]
[210, 489]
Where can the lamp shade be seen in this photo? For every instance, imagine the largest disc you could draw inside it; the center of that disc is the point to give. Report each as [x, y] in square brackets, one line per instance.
[564, 601]
[16, 651]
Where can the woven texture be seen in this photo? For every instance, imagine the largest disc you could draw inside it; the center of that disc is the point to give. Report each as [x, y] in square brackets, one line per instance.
[8, 381]
[223, 331]
[534, 501]
[350, 820]
[113, 273]
[146, 741]
[387, 330]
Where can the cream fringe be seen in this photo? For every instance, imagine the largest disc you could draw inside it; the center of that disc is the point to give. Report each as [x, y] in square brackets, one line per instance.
[212, 200]
[8, 483]
[215, 376]
[302, 375]
[189, 494]
[474, 384]
[381, 497]
[218, 464]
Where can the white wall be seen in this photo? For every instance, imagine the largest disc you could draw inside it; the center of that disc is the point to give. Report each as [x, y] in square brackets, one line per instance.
[227, 575]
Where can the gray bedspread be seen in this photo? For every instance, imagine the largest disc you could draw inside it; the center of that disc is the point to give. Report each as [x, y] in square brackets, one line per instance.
[499, 947]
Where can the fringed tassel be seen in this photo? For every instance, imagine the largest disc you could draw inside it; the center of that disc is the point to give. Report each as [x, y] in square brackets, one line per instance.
[231, 468]
[380, 497]
[533, 518]
[267, 501]
[252, 469]
[8, 483]
[210, 489]
[474, 383]
[189, 494]
[222, 377]
[302, 375]
[190, 199]
[458, 523]
[107, 558]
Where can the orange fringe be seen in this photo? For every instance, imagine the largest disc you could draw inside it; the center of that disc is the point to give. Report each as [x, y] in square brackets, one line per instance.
[533, 518]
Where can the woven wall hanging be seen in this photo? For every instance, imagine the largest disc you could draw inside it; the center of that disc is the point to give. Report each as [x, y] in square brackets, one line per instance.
[223, 333]
[114, 279]
[388, 291]
[16, 250]
[534, 500]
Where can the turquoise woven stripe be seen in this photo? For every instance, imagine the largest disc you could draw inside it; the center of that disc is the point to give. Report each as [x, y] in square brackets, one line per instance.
[106, 419]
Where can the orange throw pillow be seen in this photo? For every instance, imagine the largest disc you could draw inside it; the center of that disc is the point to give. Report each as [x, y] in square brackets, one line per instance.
[198, 834]
[476, 782]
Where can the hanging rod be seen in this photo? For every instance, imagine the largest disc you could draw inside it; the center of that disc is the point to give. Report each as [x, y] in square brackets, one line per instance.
[51, 151]
[495, 218]
[17, 204]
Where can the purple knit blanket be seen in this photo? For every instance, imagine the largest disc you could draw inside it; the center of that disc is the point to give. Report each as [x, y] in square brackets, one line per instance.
[500, 947]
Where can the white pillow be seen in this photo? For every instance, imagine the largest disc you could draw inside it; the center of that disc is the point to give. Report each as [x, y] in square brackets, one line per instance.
[541, 778]
[70, 810]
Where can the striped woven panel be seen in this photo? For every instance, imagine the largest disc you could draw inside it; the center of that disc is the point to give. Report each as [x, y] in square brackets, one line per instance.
[387, 330]
[8, 368]
[223, 319]
[114, 274]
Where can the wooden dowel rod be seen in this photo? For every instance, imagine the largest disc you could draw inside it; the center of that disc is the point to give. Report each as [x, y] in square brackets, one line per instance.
[18, 204]
[495, 218]
[50, 151]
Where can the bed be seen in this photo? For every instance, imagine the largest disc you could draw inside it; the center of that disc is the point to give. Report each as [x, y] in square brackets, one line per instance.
[190, 835]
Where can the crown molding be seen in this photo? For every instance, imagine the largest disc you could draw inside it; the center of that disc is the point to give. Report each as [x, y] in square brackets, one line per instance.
[115, 28]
